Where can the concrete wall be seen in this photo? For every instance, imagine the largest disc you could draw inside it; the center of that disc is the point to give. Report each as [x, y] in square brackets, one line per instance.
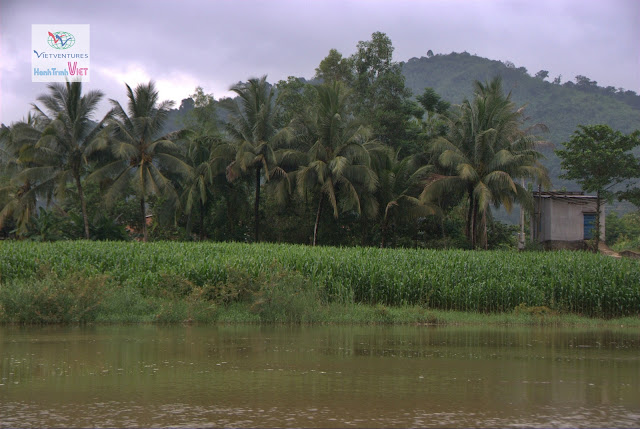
[562, 219]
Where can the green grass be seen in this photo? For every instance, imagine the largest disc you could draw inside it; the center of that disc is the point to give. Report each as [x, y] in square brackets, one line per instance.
[169, 282]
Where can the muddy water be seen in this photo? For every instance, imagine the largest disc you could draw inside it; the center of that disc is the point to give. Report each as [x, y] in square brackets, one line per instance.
[252, 376]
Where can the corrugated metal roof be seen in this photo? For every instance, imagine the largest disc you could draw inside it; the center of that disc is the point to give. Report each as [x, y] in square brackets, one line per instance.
[563, 195]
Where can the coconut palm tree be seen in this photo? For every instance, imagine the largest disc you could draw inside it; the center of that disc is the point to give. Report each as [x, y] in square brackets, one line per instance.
[251, 127]
[207, 158]
[142, 154]
[400, 183]
[59, 152]
[338, 156]
[482, 156]
[19, 193]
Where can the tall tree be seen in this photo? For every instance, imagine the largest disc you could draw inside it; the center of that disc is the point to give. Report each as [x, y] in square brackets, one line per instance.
[434, 125]
[294, 95]
[400, 183]
[203, 117]
[142, 155]
[380, 92]
[60, 153]
[207, 156]
[14, 204]
[542, 75]
[599, 158]
[251, 126]
[338, 158]
[18, 192]
[335, 68]
[482, 156]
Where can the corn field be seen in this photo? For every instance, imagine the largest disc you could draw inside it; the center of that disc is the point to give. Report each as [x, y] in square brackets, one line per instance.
[573, 282]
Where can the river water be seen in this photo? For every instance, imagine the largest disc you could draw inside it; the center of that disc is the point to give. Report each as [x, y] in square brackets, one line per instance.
[325, 376]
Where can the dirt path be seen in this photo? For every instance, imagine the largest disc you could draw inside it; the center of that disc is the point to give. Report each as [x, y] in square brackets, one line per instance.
[606, 250]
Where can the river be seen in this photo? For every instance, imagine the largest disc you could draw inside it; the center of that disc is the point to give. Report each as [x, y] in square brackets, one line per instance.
[318, 376]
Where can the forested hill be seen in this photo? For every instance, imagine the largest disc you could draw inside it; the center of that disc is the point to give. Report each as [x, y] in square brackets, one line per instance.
[560, 106]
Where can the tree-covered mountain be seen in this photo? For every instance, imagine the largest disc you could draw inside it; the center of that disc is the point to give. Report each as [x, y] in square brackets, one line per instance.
[561, 107]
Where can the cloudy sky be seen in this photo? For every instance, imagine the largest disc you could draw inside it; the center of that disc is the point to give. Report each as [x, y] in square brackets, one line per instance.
[213, 44]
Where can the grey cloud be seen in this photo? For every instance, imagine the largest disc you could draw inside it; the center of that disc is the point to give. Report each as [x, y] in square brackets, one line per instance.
[221, 42]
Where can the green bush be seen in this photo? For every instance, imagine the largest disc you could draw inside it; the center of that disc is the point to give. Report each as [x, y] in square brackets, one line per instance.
[287, 297]
[172, 286]
[52, 299]
[239, 286]
[125, 303]
[193, 308]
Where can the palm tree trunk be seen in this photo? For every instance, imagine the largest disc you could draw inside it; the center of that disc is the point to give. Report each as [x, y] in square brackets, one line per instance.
[201, 221]
[230, 225]
[384, 232]
[189, 226]
[309, 207]
[364, 235]
[598, 203]
[256, 206]
[83, 205]
[144, 220]
[315, 228]
[470, 215]
[474, 214]
[483, 225]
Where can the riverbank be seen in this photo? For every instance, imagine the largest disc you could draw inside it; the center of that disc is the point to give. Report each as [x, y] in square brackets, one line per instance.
[121, 306]
[91, 282]
[359, 314]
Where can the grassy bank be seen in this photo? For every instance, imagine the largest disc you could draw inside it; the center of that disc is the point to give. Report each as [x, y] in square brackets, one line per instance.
[229, 282]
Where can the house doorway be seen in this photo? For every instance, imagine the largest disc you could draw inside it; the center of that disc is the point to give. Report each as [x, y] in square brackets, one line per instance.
[589, 225]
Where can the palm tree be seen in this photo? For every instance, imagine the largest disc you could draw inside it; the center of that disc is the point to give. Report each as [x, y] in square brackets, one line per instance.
[483, 154]
[19, 194]
[207, 158]
[251, 126]
[400, 183]
[338, 156]
[142, 155]
[59, 152]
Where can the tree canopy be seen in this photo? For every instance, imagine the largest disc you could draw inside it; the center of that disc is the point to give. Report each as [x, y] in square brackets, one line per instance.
[600, 158]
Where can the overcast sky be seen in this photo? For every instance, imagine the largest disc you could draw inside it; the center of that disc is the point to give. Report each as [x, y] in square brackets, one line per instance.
[214, 44]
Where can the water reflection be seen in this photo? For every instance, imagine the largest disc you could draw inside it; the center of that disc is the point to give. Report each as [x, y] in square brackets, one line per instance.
[318, 376]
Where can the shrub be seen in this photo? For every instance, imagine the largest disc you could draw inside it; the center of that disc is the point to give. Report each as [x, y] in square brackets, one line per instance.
[52, 299]
[240, 286]
[287, 297]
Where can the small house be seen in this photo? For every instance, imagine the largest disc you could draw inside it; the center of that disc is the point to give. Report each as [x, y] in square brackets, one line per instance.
[564, 220]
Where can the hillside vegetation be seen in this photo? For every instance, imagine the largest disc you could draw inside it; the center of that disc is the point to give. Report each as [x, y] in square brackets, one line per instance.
[561, 107]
